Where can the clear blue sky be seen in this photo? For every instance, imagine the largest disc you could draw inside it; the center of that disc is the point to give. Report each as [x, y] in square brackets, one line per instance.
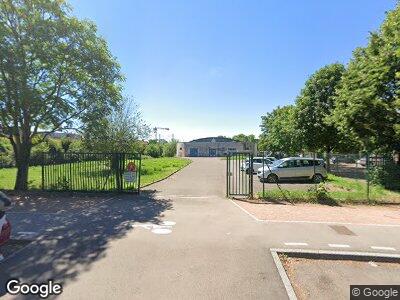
[207, 68]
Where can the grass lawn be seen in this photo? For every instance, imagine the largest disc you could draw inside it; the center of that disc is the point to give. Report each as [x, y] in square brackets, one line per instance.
[153, 169]
[337, 190]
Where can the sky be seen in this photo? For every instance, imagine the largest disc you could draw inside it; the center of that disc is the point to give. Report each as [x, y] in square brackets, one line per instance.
[208, 68]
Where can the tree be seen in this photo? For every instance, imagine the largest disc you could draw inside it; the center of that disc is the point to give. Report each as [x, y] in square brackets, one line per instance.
[278, 131]
[368, 104]
[169, 149]
[154, 149]
[55, 73]
[314, 106]
[245, 138]
[118, 132]
[66, 144]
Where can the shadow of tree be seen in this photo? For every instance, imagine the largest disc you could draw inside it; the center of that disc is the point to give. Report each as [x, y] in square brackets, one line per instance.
[79, 239]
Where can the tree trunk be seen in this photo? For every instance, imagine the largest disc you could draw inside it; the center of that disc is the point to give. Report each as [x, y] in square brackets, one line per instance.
[328, 160]
[22, 156]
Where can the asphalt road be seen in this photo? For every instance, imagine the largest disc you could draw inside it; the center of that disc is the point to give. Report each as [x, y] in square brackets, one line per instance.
[180, 239]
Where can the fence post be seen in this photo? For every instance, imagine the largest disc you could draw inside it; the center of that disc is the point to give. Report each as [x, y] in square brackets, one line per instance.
[227, 175]
[43, 170]
[139, 171]
[368, 187]
[251, 176]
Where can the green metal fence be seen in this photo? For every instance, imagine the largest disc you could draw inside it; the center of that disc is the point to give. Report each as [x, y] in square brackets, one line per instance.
[239, 181]
[91, 172]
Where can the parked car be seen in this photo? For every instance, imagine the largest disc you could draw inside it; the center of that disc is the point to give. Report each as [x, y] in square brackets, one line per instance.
[5, 225]
[373, 160]
[257, 163]
[293, 168]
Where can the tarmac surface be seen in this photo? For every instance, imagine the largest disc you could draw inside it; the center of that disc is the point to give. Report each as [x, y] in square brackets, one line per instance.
[180, 239]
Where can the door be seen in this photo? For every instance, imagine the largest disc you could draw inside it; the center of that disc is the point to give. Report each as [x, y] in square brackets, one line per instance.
[193, 152]
[212, 152]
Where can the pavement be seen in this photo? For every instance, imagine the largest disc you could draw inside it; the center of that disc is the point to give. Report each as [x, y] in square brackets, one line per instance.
[180, 239]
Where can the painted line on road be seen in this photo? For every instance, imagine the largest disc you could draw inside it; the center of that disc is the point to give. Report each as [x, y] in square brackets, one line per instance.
[237, 205]
[296, 244]
[338, 246]
[312, 222]
[282, 273]
[383, 248]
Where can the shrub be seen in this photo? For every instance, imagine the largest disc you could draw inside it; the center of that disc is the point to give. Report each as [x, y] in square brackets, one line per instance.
[154, 150]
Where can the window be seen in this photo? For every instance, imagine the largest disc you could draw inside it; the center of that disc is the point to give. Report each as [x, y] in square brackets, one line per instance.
[306, 163]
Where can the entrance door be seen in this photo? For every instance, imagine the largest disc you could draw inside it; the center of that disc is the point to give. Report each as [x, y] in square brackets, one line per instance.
[193, 152]
[212, 152]
[238, 181]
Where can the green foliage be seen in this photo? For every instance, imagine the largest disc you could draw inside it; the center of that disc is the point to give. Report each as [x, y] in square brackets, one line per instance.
[6, 154]
[368, 104]
[55, 72]
[314, 105]
[245, 138]
[154, 150]
[387, 175]
[169, 149]
[121, 131]
[66, 144]
[279, 133]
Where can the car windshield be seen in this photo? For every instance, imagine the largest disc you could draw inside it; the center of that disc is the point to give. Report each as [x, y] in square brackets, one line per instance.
[277, 162]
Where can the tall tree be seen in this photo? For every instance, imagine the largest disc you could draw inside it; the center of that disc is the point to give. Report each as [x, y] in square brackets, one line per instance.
[118, 132]
[314, 105]
[55, 73]
[279, 133]
[368, 103]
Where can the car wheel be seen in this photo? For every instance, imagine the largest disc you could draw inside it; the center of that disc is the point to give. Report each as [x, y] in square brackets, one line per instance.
[272, 178]
[317, 178]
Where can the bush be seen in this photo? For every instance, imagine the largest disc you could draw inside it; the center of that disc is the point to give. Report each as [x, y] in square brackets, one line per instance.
[387, 175]
[154, 150]
[169, 149]
[6, 153]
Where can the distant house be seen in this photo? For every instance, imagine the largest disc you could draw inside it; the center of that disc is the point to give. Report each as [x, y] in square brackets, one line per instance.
[213, 146]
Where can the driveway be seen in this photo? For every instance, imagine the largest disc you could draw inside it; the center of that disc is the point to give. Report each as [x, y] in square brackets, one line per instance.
[180, 239]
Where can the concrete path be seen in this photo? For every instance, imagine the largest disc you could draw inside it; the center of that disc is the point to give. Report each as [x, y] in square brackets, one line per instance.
[182, 239]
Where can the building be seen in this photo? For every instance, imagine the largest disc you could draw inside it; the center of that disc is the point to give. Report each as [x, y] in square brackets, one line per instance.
[213, 146]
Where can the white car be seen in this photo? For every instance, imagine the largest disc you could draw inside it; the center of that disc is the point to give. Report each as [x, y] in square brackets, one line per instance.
[257, 163]
[293, 168]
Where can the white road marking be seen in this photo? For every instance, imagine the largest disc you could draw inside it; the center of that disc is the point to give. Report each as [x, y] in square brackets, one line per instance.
[168, 223]
[312, 222]
[338, 246]
[164, 228]
[296, 244]
[254, 217]
[383, 248]
[161, 231]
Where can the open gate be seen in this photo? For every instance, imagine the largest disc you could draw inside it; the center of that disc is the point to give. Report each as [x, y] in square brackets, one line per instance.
[239, 174]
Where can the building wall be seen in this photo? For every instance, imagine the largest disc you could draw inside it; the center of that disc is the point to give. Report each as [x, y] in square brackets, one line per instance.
[211, 148]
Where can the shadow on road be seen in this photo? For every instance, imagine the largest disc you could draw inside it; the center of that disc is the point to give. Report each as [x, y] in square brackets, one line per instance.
[79, 239]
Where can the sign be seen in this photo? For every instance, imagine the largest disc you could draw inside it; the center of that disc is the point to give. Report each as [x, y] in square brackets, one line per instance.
[131, 174]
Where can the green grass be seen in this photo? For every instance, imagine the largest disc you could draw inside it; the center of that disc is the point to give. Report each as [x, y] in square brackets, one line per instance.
[153, 169]
[337, 190]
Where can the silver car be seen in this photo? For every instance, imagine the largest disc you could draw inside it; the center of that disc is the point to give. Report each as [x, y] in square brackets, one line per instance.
[257, 163]
[293, 168]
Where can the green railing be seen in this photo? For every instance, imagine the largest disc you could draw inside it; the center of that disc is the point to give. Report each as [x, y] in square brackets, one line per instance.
[95, 172]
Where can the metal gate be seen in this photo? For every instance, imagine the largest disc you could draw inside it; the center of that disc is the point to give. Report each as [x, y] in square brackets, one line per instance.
[91, 172]
[239, 174]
